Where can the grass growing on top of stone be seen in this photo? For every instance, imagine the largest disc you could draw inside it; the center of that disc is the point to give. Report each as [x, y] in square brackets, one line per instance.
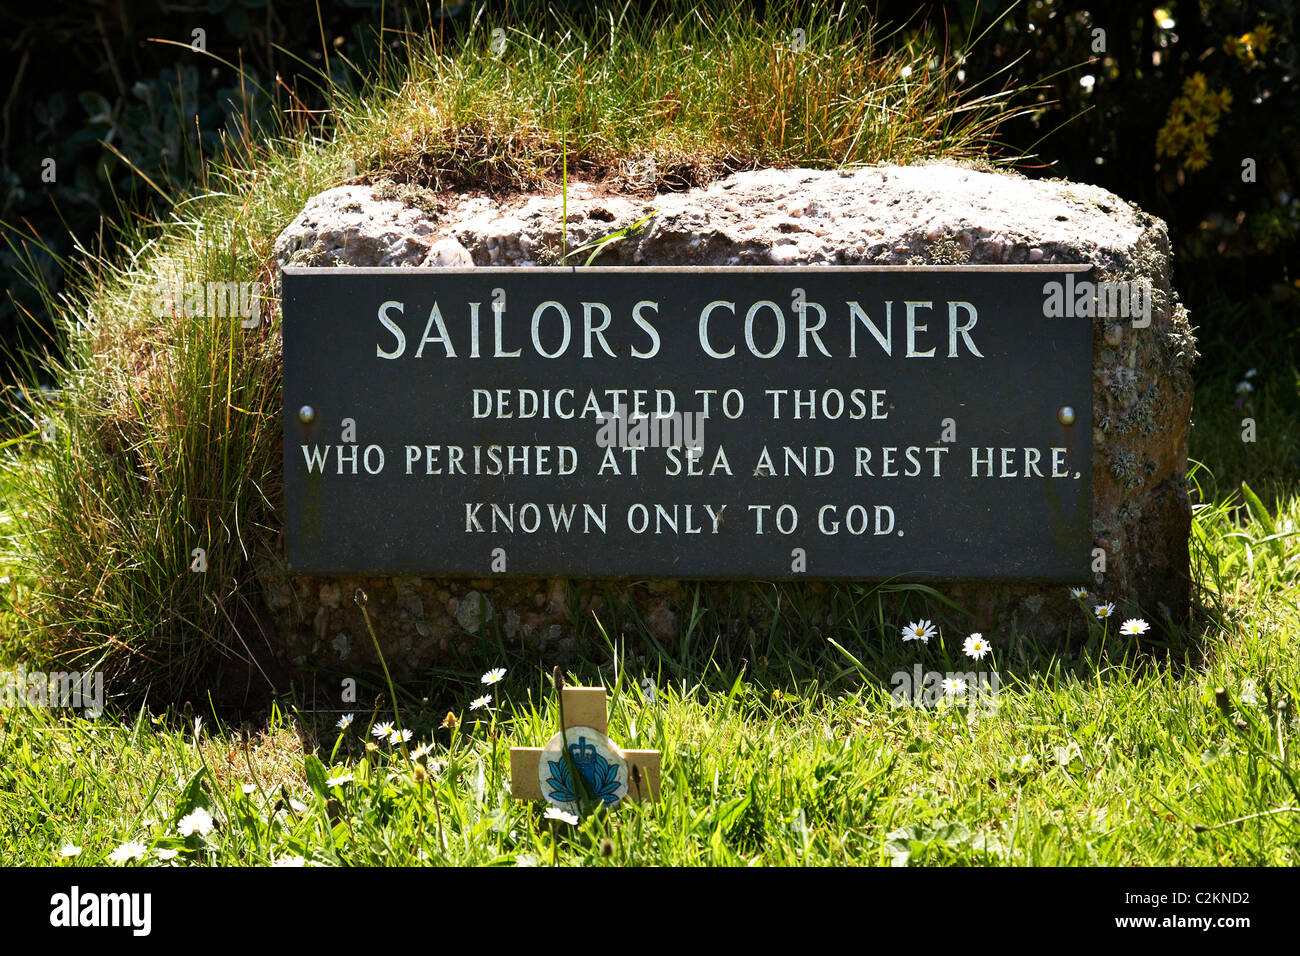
[164, 433]
[675, 99]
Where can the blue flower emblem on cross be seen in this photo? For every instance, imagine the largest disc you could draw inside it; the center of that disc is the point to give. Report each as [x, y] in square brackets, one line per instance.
[604, 777]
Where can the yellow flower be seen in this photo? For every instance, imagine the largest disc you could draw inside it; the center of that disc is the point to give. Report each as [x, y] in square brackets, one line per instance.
[1223, 100]
[1162, 142]
[1167, 140]
[1171, 139]
[1198, 156]
[1203, 128]
[1193, 109]
[1194, 84]
[1262, 37]
[1243, 48]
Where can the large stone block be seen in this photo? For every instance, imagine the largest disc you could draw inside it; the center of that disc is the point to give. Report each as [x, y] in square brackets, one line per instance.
[940, 213]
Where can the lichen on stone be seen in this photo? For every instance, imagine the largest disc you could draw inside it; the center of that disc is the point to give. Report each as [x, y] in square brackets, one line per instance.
[1126, 469]
[417, 197]
[947, 251]
[315, 255]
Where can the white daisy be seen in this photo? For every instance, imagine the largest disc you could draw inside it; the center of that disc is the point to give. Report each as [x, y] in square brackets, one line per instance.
[292, 859]
[1134, 625]
[165, 855]
[1079, 594]
[1244, 388]
[382, 730]
[399, 737]
[975, 646]
[954, 686]
[69, 850]
[249, 789]
[197, 821]
[919, 631]
[493, 676]
[1252, 373]
[130, 850]
[1104, 610]
[339, 781]
[480, 702]
[422, 751]
[555, 813]
[345, 721]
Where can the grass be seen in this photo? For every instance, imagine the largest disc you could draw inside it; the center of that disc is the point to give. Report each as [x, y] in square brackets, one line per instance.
[783, 747]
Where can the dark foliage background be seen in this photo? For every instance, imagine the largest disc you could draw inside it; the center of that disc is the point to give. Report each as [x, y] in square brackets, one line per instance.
[1163, 107]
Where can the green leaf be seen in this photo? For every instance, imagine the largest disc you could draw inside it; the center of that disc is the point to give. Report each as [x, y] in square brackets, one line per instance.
[316, 775]
[1260, 513]
[191, 796]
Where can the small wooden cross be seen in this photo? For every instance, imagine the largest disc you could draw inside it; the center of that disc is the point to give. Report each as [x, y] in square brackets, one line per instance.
[584, 707]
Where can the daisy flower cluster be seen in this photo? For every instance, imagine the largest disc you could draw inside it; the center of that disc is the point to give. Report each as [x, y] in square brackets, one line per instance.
[199, 823]
[975, 646]
[956, 687]
[492, 677]
[386, 731]
[1104, 612]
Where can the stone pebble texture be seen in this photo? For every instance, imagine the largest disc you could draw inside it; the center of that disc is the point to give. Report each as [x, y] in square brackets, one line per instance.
[939, 213]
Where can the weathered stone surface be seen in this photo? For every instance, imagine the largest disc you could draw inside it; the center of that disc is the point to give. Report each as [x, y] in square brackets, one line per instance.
[888, 215]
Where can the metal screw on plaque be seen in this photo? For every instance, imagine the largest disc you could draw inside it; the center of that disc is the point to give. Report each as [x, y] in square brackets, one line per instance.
[1066, 415]
[306, 414]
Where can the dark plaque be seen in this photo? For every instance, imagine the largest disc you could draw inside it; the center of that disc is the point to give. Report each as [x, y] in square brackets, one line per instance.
[835, 422]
